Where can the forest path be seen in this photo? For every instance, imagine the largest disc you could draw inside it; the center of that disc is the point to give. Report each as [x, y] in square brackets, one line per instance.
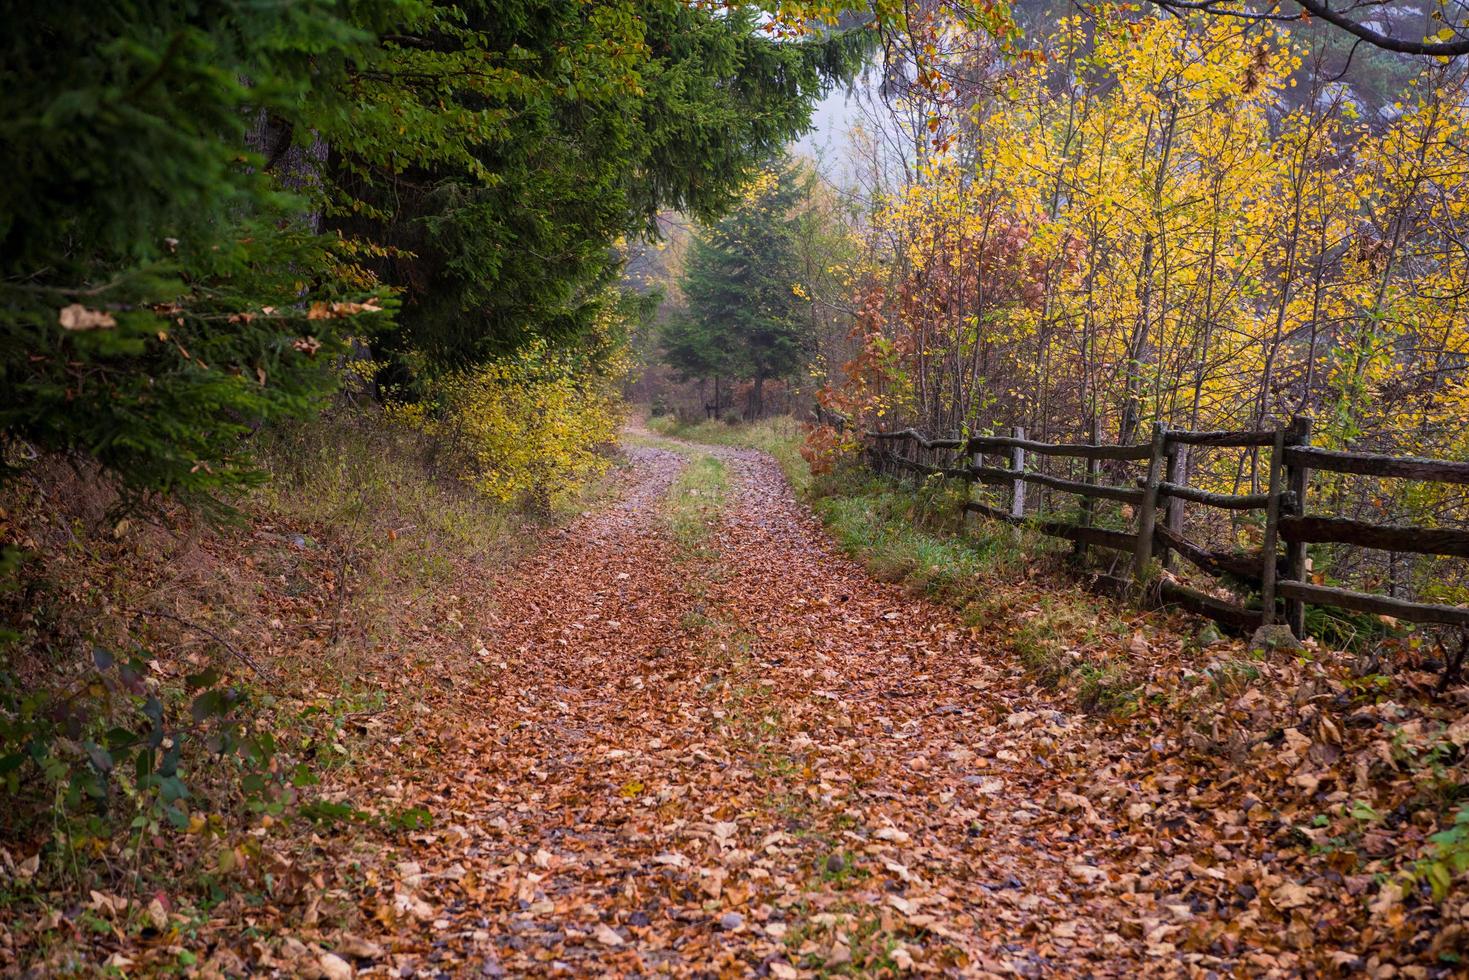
[748, 757]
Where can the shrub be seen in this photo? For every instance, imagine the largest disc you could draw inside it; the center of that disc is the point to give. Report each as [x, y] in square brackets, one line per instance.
[529, 428]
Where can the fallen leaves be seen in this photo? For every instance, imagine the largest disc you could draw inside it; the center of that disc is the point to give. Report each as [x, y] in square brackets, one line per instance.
[326, 311]
[641, 759]
[79, 319]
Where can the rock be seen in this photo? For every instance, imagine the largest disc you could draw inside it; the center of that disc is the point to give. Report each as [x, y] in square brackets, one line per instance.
[1209, 635]
[731, 921]
[1274, 636]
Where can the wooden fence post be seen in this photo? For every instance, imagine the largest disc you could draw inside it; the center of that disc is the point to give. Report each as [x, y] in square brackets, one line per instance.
[1174, 472]
[1088, 504]
[1017, 464]
[1148, 512]
[970, 458]
[1078, 548]
[1295, 551]
[1271, 546]
[1292, 462]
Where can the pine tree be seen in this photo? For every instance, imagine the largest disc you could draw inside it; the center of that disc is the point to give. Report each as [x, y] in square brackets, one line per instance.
[744, 311]
[164, 286]
[160, 293]
[580, 128]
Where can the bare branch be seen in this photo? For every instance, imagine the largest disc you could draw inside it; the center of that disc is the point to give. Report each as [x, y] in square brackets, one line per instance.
[1322, 9]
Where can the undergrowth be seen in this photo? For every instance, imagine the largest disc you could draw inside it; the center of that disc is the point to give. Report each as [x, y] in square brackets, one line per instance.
[176, 694]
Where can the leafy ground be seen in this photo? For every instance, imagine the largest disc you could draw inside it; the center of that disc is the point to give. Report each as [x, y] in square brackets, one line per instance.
[689, 735]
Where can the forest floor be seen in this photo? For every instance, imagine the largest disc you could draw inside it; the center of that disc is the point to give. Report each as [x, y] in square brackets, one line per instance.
[710, 744]
[691, 737]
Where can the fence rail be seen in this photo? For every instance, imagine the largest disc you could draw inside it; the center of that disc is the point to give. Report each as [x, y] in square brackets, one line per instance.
[1157, 498]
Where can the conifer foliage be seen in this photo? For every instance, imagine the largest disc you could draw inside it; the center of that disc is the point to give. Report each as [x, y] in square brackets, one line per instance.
[160, 293]
[746, 313]
[205, 200]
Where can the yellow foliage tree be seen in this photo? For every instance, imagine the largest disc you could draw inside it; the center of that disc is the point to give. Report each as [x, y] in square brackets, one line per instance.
[532, 428]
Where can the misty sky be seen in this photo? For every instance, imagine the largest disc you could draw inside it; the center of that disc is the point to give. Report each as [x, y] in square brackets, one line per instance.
[827, 142]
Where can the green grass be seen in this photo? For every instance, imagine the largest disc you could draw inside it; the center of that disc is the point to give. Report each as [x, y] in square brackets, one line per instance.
[781, 437]
[919, 536]
[694, 501]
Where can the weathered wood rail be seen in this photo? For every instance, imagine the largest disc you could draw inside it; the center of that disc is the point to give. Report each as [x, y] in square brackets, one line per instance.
[1279, 575]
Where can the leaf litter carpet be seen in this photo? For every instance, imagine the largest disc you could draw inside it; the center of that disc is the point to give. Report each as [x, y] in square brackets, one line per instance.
[749, 758]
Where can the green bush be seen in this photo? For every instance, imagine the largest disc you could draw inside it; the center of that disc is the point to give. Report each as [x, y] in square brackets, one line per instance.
[116, 751]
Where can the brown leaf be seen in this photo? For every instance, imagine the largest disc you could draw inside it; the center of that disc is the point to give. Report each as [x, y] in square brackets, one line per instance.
[333, 967]
[77, 317]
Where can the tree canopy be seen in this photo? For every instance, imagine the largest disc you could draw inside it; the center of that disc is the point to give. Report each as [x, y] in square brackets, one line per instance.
[207, 199]
[586, 127]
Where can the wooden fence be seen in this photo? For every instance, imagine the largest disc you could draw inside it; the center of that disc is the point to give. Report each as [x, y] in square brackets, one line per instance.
[1158, 499]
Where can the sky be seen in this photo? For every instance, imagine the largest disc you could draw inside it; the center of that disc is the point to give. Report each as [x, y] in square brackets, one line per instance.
[827, 141]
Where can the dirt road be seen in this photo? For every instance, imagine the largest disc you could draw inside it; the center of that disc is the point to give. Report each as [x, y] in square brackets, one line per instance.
[750, 758]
